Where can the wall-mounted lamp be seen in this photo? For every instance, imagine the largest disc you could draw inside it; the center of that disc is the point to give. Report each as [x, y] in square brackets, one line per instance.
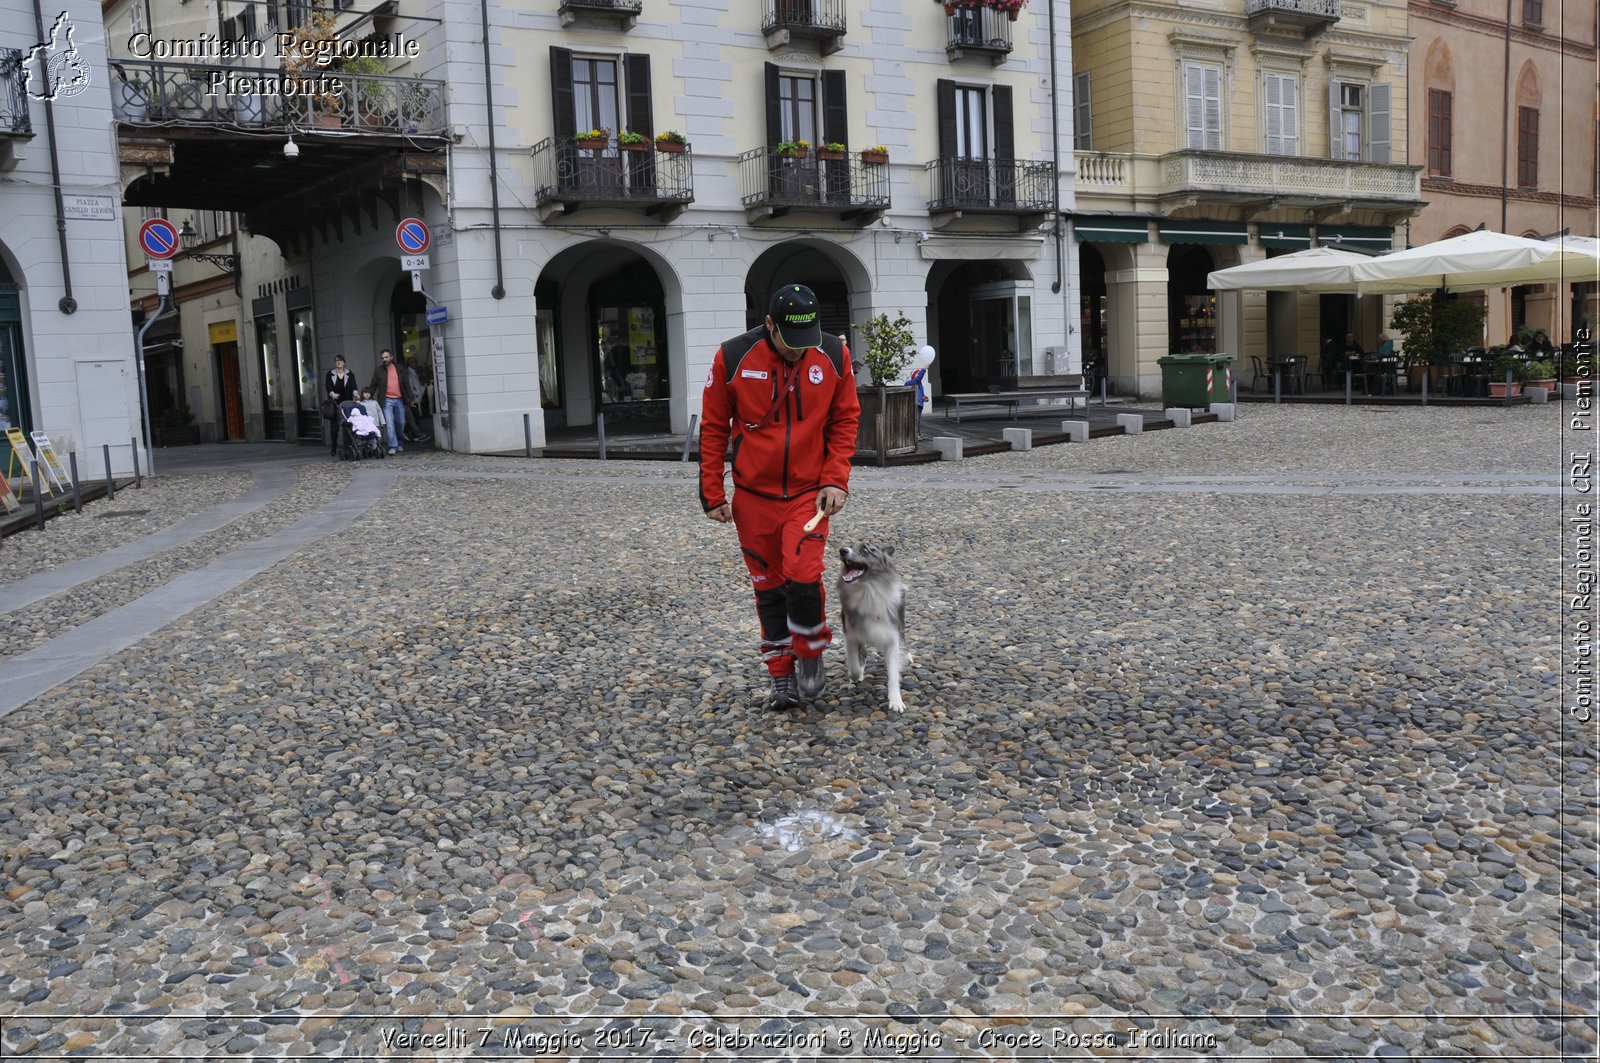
[226, 263]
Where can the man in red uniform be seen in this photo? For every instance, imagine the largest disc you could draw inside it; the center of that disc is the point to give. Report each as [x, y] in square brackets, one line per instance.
[786, 396]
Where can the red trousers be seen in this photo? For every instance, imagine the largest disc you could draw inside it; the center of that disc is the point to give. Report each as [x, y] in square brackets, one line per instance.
[785, 563]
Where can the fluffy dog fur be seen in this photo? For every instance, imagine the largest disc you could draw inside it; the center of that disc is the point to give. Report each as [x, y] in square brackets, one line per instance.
[872, 608]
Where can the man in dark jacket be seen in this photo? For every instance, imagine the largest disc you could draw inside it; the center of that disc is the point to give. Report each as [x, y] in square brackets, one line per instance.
[786, 396]
[393, 392]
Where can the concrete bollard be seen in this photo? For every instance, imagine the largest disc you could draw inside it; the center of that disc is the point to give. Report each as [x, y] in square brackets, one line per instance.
[1537, 395]
[1179, 416]
[1132, 423]
[1019, 438]
[1077, 431]
[949, 447]
[527, 435]
[688, 440]
[1225, 411]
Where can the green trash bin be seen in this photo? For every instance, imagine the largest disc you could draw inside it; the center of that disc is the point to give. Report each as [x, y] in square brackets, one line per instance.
[1192, 380]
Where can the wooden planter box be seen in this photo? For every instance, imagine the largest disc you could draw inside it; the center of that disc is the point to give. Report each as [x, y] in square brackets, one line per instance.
[640, 146]
[670, 147]
[874, 158]
[1497, 389]
[829, 156]
[899, 419]
[594, 145]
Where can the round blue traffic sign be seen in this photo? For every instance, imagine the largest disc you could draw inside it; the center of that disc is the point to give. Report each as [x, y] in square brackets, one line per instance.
[159, 238]
[412, 236]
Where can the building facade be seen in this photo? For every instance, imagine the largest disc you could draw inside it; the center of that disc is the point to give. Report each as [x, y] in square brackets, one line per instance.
[1503, 118]
[566, 276]
[1218, 134]
[67, 365]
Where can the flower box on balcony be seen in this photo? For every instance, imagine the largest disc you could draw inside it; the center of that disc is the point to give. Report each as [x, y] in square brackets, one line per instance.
[875, 158]
[594, 143]
[637, 146]
[670, 147]
[829, 156]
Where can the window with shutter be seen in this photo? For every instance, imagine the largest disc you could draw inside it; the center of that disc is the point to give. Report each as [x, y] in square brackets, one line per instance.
[1203, 106]
[1533, 12]
[1527, 147]
[1282, 107]
[1378, 120]
[1082, 113]
[1347, 121]
[1439, 121]
[972, 126]
[797, 108]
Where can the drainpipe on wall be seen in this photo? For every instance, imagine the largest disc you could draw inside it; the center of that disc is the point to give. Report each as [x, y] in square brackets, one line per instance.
[67, 305]
[1055, 147]
[499, 291]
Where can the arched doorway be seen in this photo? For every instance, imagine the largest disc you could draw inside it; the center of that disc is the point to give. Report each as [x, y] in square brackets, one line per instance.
[801, 262]
[1191, 306]
[602, 339]
[984, 313]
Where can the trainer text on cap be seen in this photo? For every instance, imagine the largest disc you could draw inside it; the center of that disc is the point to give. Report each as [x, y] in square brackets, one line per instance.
[794, 314]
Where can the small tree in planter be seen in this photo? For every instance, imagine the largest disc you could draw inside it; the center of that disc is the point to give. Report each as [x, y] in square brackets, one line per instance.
[1431, 329]
[890, 348]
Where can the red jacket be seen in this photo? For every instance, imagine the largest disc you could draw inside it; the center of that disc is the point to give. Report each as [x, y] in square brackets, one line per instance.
[793, 426]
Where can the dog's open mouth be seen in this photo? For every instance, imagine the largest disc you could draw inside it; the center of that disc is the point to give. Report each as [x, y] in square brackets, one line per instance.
[853, 571]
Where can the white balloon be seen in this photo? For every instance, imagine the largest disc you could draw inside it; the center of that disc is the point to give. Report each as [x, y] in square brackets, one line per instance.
[923, 359]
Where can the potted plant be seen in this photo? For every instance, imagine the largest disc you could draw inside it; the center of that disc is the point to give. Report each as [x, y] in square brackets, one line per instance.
[1012, 8]
[888, 412]
[671, 141]
[1507, 363]
[305, 55]
[832, 151]
[175, 427]
[130, 97]
[876, 155]
[794, 149]
[628, 140]
[595, 139]
[1431, 329]
[1541, 374]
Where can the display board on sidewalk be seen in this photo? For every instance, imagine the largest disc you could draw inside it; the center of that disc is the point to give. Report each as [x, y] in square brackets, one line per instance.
[21, 456]
[52, 466]
[8, 498]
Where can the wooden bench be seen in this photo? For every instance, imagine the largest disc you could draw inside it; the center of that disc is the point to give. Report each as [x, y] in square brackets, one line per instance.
[1061, 387]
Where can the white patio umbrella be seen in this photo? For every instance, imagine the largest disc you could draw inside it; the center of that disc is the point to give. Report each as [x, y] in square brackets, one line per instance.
[1317, 269]
[1474, 261]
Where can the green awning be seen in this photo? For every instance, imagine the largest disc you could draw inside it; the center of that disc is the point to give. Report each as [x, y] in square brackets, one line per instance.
[1282, 236]
[1356, 237]
[1111, 230]
[1204, 232]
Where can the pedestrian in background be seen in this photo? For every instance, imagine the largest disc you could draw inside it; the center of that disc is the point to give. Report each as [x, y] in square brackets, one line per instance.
[340, 385]
[393, 392]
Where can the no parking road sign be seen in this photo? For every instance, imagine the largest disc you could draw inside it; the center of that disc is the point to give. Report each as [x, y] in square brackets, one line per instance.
[159, 238]
[412, 236]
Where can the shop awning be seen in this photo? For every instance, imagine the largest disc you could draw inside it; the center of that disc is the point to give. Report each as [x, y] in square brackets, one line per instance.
[1356, 237]
[1204, 232]
[1093, 230]
[1284, 236]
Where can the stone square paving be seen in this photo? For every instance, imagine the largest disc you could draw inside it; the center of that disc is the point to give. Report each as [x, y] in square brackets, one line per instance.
[1243, 741]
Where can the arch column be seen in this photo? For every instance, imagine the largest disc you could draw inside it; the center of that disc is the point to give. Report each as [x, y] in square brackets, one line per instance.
[1136, 298]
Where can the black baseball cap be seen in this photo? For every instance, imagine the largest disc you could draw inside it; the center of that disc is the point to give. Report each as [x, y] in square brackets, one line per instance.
[794, 311]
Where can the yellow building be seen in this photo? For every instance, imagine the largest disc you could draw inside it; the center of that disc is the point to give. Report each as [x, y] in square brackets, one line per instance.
[1217, 134]
[1504, 122]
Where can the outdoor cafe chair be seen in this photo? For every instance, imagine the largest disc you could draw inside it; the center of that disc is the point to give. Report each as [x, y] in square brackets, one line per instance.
[1259, 372]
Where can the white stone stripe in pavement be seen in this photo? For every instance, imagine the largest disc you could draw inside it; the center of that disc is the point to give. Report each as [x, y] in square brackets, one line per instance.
[270, 485]
[1444, 484]
[45, 667]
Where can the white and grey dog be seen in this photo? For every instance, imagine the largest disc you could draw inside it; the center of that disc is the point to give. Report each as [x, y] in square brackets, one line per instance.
[872, 606]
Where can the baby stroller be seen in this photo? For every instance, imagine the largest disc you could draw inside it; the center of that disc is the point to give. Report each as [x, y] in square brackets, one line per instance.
[358, 434]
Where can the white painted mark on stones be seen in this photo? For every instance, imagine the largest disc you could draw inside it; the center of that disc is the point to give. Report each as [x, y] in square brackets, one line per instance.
[803, 829]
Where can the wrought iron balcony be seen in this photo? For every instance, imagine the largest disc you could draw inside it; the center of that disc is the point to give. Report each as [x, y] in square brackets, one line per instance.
[771, 185]
[1305, 17]
[822, 21]
[624, 12]
[14, 118]
[979, 31]
[991, 186]
[154, 93]
[570, 177]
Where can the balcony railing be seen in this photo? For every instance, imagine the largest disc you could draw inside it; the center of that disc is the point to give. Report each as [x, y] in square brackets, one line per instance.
[571, 177]
[818, 20]
[1008, 186]
[625, 12]
[14, 118]
[979, 30]
[776, 183]
[1308, 17]
[157, 93]
[1221, 175]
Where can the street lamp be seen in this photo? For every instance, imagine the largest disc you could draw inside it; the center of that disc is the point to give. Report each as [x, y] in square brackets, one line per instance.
[226, 263]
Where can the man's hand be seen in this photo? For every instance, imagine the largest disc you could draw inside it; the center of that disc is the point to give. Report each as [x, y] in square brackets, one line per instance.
[830, 500]
[722, 514]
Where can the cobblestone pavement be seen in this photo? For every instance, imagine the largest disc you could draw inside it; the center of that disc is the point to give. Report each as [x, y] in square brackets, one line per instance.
[1240, 741]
